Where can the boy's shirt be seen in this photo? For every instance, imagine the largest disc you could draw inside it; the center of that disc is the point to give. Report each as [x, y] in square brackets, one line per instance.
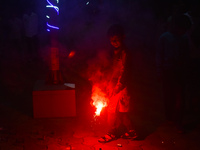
[119, 99]
[118, 70]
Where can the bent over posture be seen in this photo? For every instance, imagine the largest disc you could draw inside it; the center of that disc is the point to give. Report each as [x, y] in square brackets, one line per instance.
[119, 101]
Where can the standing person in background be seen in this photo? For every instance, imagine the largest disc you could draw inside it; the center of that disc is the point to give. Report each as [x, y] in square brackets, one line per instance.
[118, 109]
[172, 61]
[15, 26]
[30, 22]
[194, 83]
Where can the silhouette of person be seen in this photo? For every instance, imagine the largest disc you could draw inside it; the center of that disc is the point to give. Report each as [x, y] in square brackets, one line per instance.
[172, 58]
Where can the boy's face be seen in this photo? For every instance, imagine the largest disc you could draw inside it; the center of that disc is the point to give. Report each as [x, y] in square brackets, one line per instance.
[116, 41]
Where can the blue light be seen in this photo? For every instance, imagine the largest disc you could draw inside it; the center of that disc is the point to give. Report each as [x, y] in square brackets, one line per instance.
[87, 3]
[52, 6]
[51, 26]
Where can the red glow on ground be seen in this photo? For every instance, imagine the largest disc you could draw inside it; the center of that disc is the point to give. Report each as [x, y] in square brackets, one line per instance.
[99, 99]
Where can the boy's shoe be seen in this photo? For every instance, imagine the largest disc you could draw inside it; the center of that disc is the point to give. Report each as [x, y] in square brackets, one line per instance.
[107, 138]
[131, 134]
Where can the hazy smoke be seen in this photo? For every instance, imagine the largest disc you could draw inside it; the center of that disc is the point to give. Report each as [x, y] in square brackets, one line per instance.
[84, 27]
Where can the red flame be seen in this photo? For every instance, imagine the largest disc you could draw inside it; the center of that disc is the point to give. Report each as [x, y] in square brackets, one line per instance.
[71, 54]
[99, 99]
[99, 75]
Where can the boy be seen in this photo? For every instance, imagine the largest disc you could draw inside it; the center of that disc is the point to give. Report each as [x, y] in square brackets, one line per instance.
[119, 100]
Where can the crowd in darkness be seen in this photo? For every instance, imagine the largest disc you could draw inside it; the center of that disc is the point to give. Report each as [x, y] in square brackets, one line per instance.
[19, 29]
[178, 57]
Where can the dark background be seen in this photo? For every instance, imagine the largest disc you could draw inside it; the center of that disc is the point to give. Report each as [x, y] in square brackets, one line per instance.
[83, 29]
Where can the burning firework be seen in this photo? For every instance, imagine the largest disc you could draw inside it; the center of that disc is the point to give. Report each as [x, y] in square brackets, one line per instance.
[99, 99]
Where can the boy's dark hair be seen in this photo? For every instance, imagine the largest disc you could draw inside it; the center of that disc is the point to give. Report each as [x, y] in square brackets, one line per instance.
[181, 21]
[115, 30]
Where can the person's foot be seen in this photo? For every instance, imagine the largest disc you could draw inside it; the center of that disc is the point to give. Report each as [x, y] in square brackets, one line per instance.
[107, 138]
[131, 134]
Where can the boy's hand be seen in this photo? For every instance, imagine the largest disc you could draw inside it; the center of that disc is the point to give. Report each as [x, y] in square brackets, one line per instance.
[119, 87]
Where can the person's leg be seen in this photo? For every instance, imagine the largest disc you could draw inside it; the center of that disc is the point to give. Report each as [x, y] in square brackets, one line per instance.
[112, 122]
[127, 121]
[169, 95]
[35, 46]
[169, 101]
[129, 132]
[112, 129]
[180, 104]
[28, 48]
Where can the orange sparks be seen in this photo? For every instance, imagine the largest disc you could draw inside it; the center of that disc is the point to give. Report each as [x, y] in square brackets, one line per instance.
[99, 100]
[99, 106]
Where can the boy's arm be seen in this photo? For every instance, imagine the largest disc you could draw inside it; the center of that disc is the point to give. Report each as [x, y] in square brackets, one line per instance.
[121, 83]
